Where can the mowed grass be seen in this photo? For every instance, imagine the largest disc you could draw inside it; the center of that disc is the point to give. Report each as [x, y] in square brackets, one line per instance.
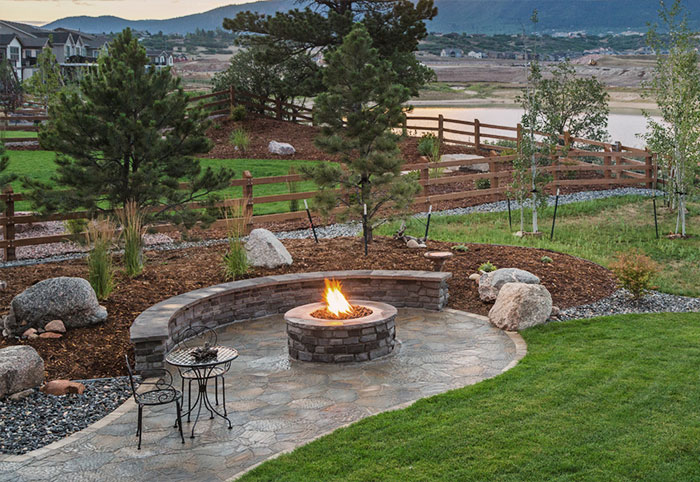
[596, 230]
[40, 165]
[611, 398]
[18, 134]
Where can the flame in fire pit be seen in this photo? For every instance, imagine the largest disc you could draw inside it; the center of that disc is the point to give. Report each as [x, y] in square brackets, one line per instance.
[334, 298]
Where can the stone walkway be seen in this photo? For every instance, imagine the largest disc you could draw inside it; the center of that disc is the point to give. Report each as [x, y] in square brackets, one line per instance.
[275, 404]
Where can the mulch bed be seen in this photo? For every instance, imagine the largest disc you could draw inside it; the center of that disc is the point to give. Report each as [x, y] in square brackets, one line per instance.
[98, 351]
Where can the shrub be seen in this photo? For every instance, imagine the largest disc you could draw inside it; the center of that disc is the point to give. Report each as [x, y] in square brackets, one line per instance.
[238, 113]
[635, 272]
[487, 267]
[293, 187]
[461, 248]
[546, 259]
[133, 229]
[100, 236]
[429, 146]
[76, 227]
[483, 183]
[235, 261]
[240, 139]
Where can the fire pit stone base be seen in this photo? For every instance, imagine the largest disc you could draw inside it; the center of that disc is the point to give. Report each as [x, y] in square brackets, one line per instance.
[329, 341]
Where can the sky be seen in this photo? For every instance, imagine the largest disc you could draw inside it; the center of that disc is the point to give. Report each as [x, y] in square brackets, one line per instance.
[44, 11]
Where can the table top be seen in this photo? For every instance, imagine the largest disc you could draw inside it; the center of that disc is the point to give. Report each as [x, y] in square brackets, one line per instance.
[181, 357]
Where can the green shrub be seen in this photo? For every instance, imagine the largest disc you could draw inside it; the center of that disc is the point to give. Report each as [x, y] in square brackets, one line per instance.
[293, 187]
[100, 236]
[132, 223]
[76, 227]
[240, 139]
[487, 267]
[546, 260]
[235, 260]
[635, 271]
[238, 113]
[461, 248]
[483, 183]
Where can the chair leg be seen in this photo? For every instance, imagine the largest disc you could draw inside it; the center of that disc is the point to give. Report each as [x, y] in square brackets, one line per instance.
[223, 394]
[216, 391]
[140, 424]
[189, 399]
[179, 419]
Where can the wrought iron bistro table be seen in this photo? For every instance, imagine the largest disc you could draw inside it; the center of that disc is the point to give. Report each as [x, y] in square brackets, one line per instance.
[182, 358]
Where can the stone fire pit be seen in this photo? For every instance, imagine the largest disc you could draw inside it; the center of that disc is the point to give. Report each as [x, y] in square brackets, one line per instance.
[340, 341]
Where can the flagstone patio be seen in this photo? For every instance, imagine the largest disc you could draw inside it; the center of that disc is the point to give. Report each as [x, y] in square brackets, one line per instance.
[276, 404]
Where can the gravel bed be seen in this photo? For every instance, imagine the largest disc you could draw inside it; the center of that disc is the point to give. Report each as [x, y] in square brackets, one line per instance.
[341, 229]
[621, 302]
[41, 419]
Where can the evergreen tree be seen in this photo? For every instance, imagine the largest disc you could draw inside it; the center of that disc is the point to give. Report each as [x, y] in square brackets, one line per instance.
[362, 104]
[395, 27]
[5, 179]
[127, 135]
[47, 80]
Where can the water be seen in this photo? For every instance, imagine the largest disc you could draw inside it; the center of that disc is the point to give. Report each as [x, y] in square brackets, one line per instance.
[622, 127]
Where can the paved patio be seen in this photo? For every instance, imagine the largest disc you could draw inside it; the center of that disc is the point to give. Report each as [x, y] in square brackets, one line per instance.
[276, 405]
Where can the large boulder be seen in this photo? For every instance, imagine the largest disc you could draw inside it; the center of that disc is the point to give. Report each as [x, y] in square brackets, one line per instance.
[491, 283]
[281, 148]
[71, 300]
[520, 306]
[21, 368]
[265, 250]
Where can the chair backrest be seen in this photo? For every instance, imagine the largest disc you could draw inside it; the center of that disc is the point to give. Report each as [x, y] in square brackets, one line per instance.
[196, 336]
[131, 376]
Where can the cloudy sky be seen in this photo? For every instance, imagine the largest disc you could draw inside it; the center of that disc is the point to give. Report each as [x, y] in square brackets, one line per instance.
[42, 11]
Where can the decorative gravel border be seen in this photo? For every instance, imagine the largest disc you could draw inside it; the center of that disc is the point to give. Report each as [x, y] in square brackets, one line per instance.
[621, 302]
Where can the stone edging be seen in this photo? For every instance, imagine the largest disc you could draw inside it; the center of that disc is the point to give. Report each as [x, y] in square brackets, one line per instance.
[154, 331]
[520, 352]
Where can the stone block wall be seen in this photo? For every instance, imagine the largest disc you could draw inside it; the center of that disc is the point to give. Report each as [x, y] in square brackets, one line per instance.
[156, 330]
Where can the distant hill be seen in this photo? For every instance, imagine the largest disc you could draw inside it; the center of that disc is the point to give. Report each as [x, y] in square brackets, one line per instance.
[470, 16]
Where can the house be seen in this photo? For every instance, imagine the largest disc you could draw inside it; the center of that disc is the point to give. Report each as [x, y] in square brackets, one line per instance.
[476, 55]
[160, 58]
[11, 50]
[90, 44]
[454, 53]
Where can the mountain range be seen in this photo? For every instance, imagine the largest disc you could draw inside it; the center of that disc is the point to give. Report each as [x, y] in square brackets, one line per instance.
[469, 16]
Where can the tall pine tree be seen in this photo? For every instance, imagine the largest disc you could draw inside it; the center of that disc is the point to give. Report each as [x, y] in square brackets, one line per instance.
[127, 135]
[361, 106]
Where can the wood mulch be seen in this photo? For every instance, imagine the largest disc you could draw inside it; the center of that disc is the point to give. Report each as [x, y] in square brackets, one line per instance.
[98, 351]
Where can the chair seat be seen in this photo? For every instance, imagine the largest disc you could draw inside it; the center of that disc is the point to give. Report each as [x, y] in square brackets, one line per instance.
[159, 397]
[190, 374]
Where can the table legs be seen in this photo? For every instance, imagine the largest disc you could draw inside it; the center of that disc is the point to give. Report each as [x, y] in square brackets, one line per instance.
[203, 400]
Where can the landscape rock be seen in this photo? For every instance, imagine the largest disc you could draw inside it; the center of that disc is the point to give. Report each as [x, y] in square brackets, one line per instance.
[56, 326]
[21, 368]
[3, 285]
[520, 306]
[281, 148]
[50, 334]
[480, 167]
[555, 311]
[71, 300]
[63, 387]
[31, 333]
[264, 249]
[412, 243]
[16, 397]
[491, 283]
[475, 276]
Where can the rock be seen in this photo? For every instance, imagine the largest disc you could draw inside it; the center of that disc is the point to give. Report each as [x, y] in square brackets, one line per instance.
[475, 276]
[481, 167]
[555, 311]
[56, 326]
[31, 333]
[50, 334]
[412, 243]
[16, 397]
[71, 300]
[3, 285]
[281, 148]
[520, 306]
[491, 283]
[264, 249]
[63, 387]
[21, 368]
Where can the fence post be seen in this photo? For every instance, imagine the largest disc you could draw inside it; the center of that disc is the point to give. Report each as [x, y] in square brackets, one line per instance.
[607, 161]
[649, 169]
[232, 96]
[441, 126]
[404, 127]
[520, 137]
[248, 200]
[567, 140]
[494, 175]
[9, 251]
[477, 135]
[278, 108]
[424, 175]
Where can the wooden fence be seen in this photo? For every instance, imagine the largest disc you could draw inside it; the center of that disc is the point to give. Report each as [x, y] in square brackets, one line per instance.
[609, 165]
[27, 118]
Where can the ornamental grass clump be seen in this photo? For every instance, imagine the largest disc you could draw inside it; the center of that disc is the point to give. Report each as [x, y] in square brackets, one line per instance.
[99, 236]
[635, 272]
[240, 139]
[133, 229]
[235, 261]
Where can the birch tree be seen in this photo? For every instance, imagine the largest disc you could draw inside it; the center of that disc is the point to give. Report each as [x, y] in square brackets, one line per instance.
[676, 88]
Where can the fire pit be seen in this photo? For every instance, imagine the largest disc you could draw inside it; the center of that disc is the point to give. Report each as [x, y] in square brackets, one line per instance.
[339, 331]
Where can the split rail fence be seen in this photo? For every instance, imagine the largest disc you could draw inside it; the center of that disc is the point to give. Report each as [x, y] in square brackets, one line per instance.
[606, 164]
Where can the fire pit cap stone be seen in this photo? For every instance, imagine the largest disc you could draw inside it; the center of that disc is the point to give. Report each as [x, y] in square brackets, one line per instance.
[300, 316]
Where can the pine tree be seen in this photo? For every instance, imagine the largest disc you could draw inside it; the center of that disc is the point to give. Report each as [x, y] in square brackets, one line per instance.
[362, 104]
[47, 80]
[127, 135]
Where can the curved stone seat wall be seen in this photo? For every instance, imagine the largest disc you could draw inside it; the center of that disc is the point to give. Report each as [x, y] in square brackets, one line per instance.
[154, 331]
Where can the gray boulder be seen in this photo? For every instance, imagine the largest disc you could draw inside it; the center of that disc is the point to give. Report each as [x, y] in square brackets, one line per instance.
[491, 283]
[520, 306]
[265, 250]
[281, 148]
[21, 368]
[71, 300]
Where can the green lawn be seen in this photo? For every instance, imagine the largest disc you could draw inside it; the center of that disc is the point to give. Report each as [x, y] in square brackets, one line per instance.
[606, 399]
[40, 165]
[16, 134]
[596, 230]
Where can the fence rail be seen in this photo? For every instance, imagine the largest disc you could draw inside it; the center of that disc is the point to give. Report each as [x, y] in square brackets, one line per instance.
[614, 165]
